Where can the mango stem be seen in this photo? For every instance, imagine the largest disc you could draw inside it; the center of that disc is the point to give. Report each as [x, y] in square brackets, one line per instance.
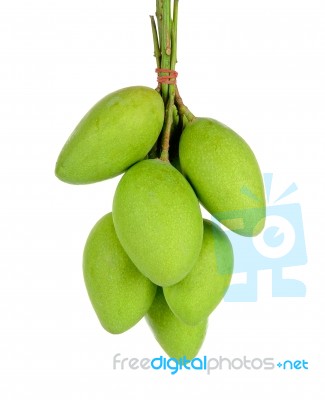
[165, 51]
[171, 91]
[157, 51]
[181, 107]
[164, 26]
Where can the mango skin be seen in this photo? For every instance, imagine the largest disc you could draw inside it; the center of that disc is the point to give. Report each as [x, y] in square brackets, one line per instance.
[176, 338]
[116, 133]
[158, 221]
[119, 293]
[194, 298]
[225, 175]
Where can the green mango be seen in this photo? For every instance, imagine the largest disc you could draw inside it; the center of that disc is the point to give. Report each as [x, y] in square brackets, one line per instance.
[116, 133]
[119, 293]
[194, 298]
[176, 338]
[225, 175]
[158, 221]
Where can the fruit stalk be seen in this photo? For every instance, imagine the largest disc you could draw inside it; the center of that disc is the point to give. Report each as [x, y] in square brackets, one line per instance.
[165, 51]
[171, 93]
[181, 107]
[169, 48]
[157, 51]
[164, 27]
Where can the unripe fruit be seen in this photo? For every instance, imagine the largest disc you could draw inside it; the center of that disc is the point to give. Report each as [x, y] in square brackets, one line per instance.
[194, 298]
[116, 133]
[224, 174]
[175, 337]
[119, 293]
[158, 221]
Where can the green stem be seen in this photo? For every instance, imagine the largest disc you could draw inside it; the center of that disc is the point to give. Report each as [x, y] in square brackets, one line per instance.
[159, 14]
[182, 109]
[173, 60]
[165, 44]
[171, 98]
[164, 26]
[157, 51]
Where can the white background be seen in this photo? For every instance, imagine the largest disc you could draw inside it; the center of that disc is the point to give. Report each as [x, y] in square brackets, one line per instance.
[257, 66]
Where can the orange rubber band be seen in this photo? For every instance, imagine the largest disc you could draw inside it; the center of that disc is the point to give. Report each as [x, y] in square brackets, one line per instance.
[169, 79]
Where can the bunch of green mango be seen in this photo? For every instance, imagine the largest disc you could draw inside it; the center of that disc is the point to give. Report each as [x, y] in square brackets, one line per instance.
[154, 256]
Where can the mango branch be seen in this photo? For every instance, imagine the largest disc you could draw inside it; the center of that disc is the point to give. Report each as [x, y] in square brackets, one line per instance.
[181, 107]
[165, 51]
[171, 98]
[159, 16]
[164, 26]
[153, 153]
[157, 51]
[173, 60]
